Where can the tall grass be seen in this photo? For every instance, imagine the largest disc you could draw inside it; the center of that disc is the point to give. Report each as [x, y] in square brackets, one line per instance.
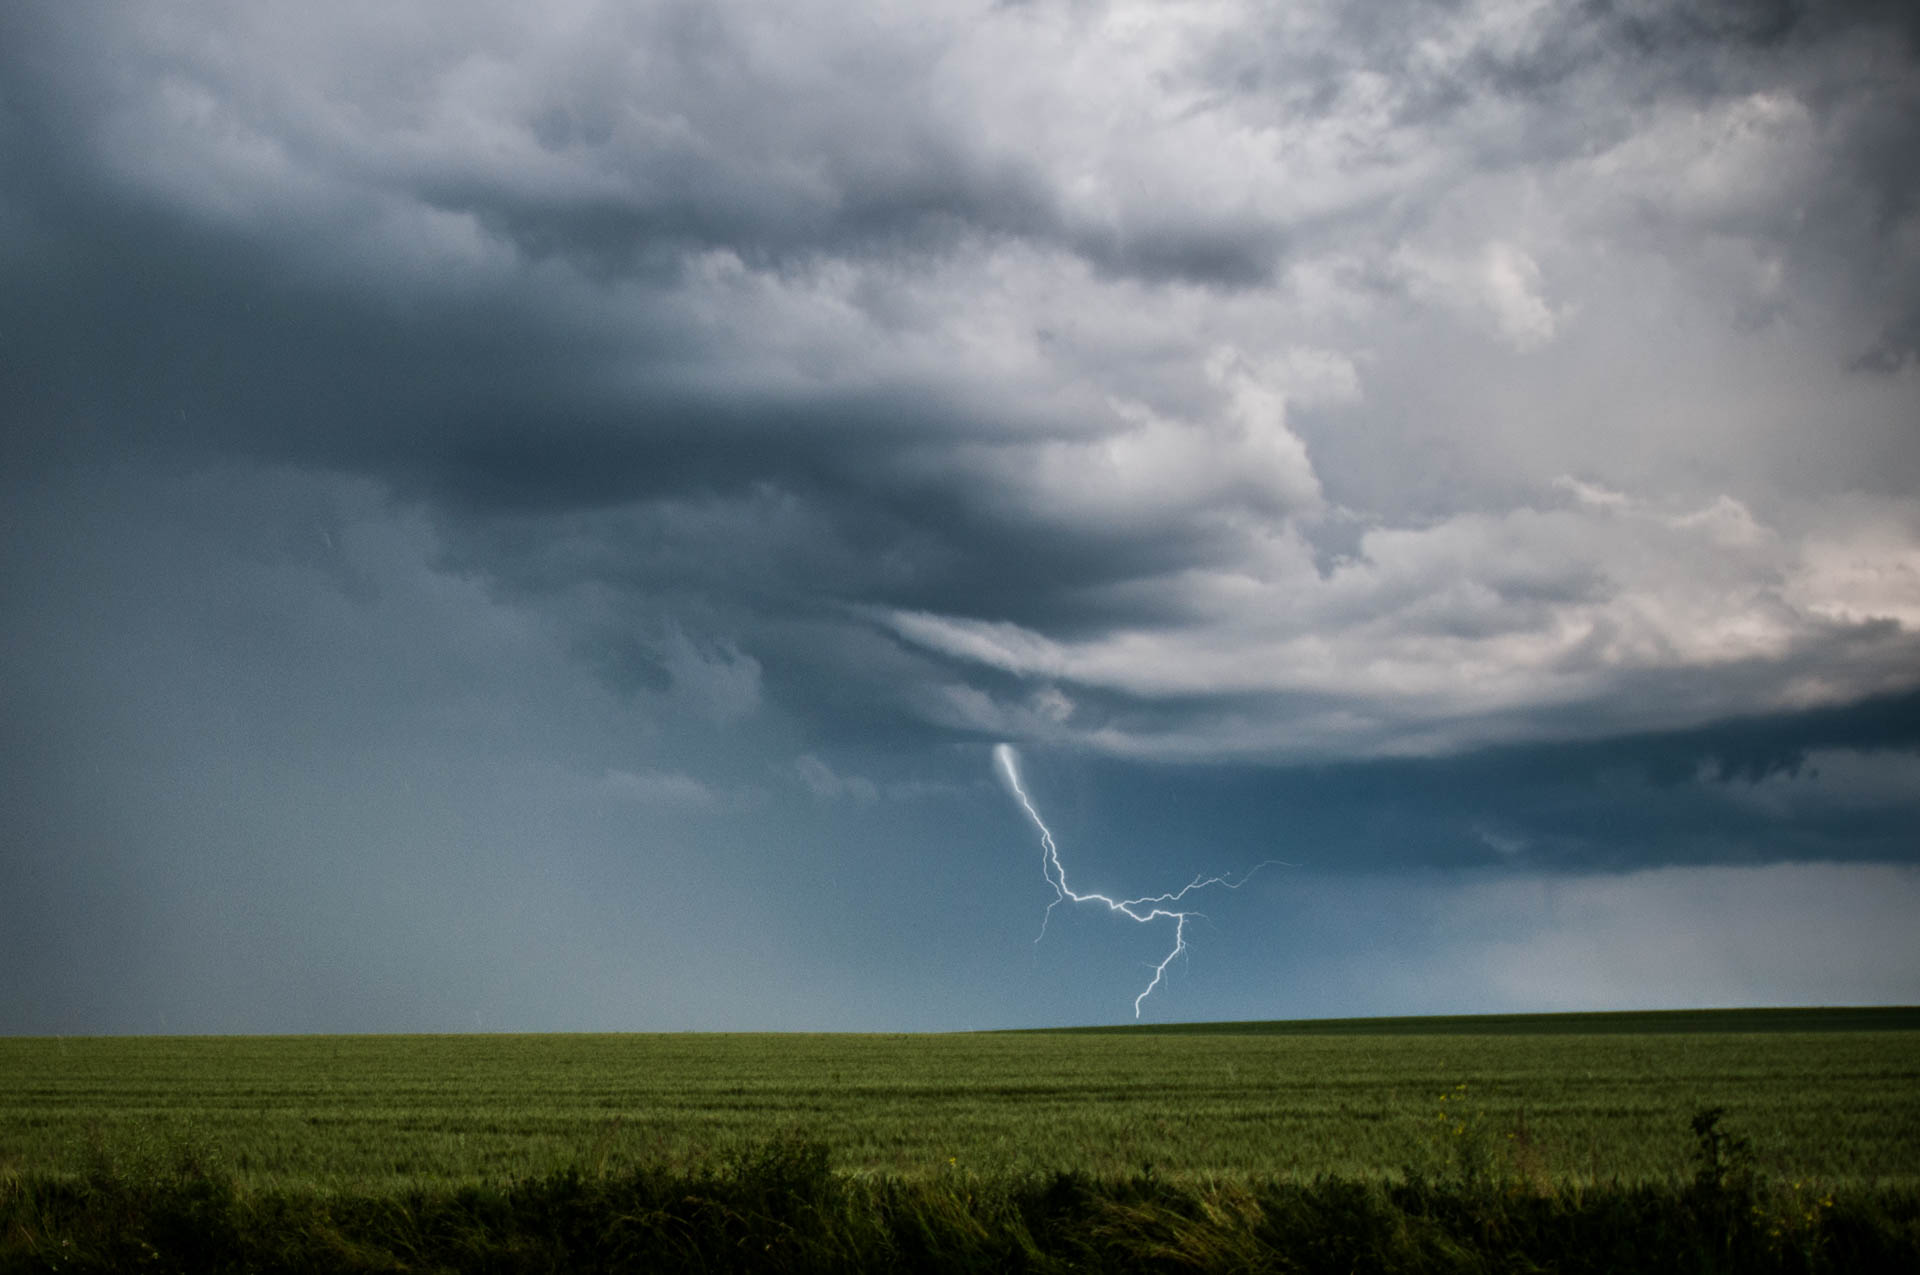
[782, 1206]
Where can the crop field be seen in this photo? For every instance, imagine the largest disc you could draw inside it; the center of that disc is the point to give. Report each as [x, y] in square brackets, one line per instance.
[1573, 1098]
[1751, 1141]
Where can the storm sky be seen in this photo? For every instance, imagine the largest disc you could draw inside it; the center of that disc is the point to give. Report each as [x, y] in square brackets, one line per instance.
[535, 517]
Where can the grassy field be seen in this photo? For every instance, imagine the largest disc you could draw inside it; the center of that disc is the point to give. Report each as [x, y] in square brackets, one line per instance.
[1834, 1098]
[1725, 1142]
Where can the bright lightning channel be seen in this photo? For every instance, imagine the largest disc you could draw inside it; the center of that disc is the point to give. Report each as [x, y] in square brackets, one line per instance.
[1008, 762]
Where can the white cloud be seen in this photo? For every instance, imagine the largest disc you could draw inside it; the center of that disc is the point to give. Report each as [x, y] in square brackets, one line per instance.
[1500, 284]
[1449, 632]
[1863, 566]
[1734, 164]
[1152, 470]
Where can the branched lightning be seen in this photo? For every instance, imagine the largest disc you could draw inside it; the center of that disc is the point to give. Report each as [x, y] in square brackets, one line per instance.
[1055, 872]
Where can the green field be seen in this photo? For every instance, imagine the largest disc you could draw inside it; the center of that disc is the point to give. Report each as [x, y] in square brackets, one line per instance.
[1828, 1096]
[1744, 1141]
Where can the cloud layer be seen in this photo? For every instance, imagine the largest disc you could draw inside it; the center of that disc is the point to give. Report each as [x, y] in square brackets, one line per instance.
[749, 411]
[1270, 384]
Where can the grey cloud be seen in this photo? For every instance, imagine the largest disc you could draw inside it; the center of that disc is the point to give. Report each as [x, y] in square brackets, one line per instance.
[542, 513]
[655, 787]
[767, 328]
[1463, 943]
[827, 784]
[1693, 937]
[1794, 787]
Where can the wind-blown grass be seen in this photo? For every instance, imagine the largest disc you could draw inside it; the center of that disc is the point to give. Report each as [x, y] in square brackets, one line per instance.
[1485, 1146]
[781, 1206]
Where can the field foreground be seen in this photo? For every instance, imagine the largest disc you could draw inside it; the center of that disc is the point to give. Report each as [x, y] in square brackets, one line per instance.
[388, 1112]
[1430, 1144]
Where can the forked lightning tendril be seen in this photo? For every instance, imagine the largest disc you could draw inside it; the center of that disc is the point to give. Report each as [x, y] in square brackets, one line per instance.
[1056, 874]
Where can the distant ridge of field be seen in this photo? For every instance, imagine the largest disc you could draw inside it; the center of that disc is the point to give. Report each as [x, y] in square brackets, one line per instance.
[1857, 1018]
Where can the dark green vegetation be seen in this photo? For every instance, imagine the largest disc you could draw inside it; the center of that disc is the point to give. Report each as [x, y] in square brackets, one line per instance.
[1573, 1144]
[782, 1207]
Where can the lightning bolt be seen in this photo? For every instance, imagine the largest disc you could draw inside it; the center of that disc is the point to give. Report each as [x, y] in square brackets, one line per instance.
[1008, 763]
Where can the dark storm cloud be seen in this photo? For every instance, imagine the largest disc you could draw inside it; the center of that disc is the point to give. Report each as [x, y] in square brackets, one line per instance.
[1757, 791]
[661, 425]
[285, 318]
